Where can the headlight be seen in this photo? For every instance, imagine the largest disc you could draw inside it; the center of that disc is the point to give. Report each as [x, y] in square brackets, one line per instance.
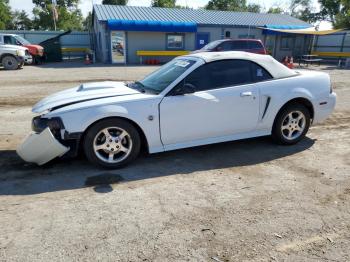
[20, 52]
[39, 124]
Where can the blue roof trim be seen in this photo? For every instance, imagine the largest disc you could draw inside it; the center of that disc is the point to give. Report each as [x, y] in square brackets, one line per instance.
[286, 27]
[282, 27]
[153, 26]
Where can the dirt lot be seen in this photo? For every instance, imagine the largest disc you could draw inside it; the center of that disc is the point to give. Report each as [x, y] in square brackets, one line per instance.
[240, 201]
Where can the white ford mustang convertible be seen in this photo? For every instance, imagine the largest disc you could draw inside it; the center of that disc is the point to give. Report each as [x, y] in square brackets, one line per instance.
[193, 100]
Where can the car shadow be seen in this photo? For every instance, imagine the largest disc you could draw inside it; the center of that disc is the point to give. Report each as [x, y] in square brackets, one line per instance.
[20, 178]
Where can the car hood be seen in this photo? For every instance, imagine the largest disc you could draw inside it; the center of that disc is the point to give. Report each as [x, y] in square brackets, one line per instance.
[34, 46]
[13, 47]
[82, 93]
[199, 51]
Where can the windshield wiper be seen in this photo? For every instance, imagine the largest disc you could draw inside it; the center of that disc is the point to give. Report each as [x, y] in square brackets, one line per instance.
[136, 85]
[141, 87]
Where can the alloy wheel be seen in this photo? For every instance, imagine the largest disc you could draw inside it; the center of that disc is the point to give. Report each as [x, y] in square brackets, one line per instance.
[293, 125]
[112, 144]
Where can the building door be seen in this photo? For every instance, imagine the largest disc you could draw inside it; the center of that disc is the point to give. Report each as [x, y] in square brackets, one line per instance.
[118, 47]
[298, 46]
[202, 39]
[270, 44]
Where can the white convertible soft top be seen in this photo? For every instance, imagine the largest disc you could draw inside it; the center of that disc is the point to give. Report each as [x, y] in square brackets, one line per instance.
[275, 68]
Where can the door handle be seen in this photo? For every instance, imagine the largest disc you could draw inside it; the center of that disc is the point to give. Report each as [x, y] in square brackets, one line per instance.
[243, 94]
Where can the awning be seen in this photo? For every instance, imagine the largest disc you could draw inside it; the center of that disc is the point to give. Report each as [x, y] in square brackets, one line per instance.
[302, 30]
[153, 26]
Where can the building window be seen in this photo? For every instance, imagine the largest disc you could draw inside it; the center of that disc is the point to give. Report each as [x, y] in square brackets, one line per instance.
[227, 34]
[175, 41]
[286, 42]
[246, 36]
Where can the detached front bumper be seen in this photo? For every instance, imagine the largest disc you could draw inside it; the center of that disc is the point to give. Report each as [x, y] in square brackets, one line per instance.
[41, 148]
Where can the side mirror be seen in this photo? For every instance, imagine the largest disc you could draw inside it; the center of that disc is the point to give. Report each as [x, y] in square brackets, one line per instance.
[186, 89]
[219, 48]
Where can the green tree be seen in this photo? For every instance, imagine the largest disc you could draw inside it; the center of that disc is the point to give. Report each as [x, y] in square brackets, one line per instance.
[275, 10]
[69, 15]
[336, 11]
[21, 21]
[233, 5]
[5, 14]
[115, 2]
[164, 3]
[87, 23]
[254, 8]
[303, 10]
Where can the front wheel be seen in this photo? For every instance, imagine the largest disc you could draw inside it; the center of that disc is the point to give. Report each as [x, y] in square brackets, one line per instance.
[291, 124]
[9, 62]
[112, 143]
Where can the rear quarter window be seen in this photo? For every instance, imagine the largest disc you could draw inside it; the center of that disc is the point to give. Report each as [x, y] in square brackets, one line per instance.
[259, 74]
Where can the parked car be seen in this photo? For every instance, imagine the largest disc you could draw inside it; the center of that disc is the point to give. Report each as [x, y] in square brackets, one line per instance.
[193, 100]
[248, 45]
[12, 56]
[36, 51]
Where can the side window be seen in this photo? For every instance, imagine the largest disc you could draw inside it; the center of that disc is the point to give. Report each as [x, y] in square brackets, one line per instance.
[260, 74]
[225, 46]
[220, 74]
[255, 45]
[239, 45]
[8, 40]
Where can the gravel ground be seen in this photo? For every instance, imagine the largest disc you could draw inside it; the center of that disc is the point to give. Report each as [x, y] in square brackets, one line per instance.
[247, 200]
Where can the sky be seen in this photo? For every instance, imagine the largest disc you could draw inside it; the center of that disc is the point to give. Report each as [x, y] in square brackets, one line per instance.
[86, 5]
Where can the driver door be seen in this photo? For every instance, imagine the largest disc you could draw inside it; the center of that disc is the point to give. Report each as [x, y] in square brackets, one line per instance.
[225, 102]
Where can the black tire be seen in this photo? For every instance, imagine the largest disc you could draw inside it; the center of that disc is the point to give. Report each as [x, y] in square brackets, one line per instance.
[96, 129]
[280, 136]
[9, 62]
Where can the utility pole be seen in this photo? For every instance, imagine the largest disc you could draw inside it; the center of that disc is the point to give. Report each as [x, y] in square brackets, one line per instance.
[54, 13]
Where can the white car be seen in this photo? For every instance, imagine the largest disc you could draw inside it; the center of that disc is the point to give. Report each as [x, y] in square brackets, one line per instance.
[193, 100]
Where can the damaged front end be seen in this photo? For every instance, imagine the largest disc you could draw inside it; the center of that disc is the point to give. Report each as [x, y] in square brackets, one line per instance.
[46, 142]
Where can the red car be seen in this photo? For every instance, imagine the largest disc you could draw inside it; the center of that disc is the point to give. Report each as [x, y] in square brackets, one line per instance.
[248, 45]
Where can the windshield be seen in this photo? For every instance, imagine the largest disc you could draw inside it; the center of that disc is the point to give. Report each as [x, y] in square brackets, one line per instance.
[164, 76]
[211, 45]
[22, 40]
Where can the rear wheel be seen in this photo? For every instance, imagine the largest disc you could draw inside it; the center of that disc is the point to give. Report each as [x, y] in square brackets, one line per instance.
[112, 143]
[291, 124]
[9, 62]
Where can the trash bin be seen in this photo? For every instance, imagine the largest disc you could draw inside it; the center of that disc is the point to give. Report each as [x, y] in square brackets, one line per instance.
[52, 47]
